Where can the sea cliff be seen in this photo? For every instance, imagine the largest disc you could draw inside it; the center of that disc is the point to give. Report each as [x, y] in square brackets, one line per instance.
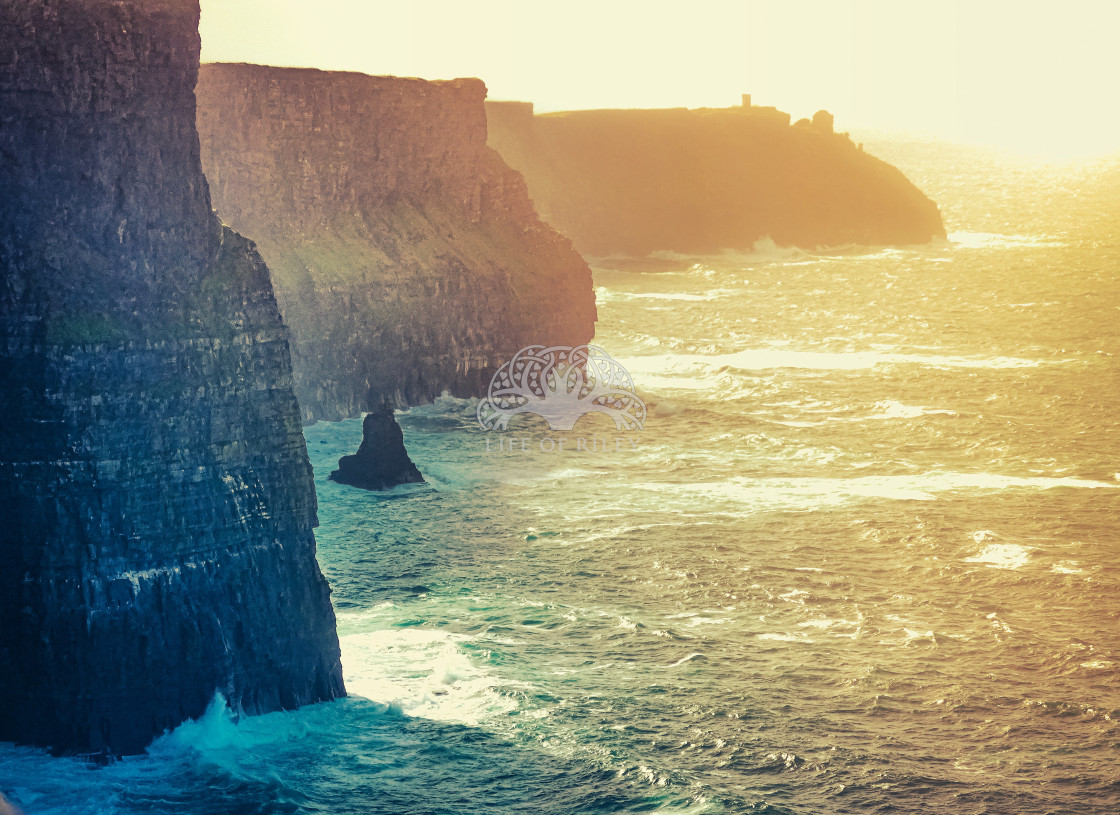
[406, 255]
[631, 182]
[158, 508]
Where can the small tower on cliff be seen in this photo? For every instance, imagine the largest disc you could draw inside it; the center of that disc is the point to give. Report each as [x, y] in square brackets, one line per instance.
[747, 101]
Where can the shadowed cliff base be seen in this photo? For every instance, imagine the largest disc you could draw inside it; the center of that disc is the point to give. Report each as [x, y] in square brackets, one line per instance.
[631, 182]
[406, 256]
[157, 498]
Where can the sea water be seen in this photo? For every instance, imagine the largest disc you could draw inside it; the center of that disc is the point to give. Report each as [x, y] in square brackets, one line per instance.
[863, 556]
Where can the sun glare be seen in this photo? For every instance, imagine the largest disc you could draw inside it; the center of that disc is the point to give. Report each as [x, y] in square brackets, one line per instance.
[1033, 78]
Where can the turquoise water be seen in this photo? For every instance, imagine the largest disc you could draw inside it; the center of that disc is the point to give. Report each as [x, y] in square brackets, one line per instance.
[863, 557]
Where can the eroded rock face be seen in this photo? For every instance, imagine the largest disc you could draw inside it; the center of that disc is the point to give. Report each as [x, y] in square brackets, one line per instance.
[158, 508]
[381, 461]
[406, 256]
[631, 182]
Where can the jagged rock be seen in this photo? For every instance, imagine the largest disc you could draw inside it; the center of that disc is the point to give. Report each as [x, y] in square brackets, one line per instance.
[381, 461]
[631, 182]
[406, 255]
[157, 500]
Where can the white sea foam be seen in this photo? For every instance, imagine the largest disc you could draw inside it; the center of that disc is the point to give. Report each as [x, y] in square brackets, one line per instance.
[780, 637]
[672, 296]
[839, 627]
[985, 240]
[890, 409]
[913, 636]
[797, 492]
[688, 658]
[695, 371]
[763, 250]
[422, 672]
[696, 621]
[1002, 556]
[215, 729]
[1067, 567]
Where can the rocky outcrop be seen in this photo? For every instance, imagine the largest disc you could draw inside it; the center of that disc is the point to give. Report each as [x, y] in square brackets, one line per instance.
[158, 508]
[406, 256]
[697, 181]
[381, 461]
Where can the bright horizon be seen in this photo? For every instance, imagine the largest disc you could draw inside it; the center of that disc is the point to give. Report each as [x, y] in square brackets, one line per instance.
[1033, 78]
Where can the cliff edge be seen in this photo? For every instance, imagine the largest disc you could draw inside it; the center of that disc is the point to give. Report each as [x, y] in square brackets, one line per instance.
[630, 182]
[406, 255]
[158, 504]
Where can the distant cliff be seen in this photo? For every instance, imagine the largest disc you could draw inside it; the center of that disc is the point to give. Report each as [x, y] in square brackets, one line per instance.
[406, 256]
[156, 497]
[636, 181]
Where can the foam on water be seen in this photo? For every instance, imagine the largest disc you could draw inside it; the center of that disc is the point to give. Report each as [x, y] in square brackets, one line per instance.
[674, 296]
[988, 240]
[692, 366]
[1002, 556]
[772, 493]
[424, 673]
[764, 250]
[890, 409]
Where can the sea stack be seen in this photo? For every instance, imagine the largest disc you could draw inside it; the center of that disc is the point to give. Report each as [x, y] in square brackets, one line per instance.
[381, 461]
[632, 182]
[158, 506]
[406, 255]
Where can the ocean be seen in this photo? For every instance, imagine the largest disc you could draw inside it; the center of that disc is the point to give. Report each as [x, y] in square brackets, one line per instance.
[863, 556]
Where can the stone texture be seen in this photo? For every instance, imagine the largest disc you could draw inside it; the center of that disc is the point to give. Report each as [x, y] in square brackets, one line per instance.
[157, 501]
[630, 182]
[406, 256]
[381, 461]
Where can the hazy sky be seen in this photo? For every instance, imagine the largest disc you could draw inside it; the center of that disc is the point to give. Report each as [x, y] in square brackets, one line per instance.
[1032, 76]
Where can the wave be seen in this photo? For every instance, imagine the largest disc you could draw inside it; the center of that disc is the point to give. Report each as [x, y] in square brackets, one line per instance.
[815, 492]
[603, 294]
[986, 240]
[766, 249]
[890, 409]
[690, 366]
[422, 673]
[1003, 556]
[763, 249]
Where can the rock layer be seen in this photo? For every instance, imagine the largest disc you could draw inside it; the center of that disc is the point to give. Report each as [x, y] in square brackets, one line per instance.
[632, 182]
[406, 256]
[381, 461]
[157, 498]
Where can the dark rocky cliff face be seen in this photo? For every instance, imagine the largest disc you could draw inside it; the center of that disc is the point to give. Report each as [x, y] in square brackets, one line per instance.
[158, 508]
[406, 256]
[635, 181]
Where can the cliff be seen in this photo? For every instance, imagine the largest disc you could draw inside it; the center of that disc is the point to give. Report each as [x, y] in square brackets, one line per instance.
[158, 508]
[635, 181]
[406, 256]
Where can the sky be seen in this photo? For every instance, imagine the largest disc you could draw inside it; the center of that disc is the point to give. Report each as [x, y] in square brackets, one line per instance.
[1032, 77]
